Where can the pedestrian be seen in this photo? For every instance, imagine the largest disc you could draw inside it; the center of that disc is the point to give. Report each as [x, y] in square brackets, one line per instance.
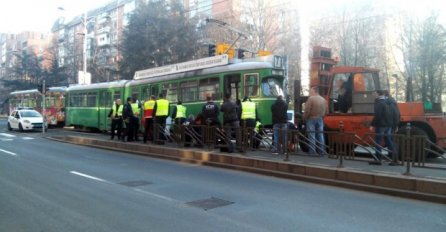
[231, 121]
[248, 120]
[315, 110]
[135, 119]
[161, 112]
[280, 119]
[116, 117]
[210, 112]
[148, 106]
[127, 115]
[179, 113]
[382, 124]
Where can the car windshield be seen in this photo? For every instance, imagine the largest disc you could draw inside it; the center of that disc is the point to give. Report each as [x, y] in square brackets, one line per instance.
[30, 114]
[271, 87]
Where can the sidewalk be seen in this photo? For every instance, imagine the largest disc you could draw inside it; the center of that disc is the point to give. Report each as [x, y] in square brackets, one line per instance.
[423, 183]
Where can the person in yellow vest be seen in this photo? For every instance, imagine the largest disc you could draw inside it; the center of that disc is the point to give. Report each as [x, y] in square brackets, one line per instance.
[116, 116]
[248, 121]
[148, 107]
[179, 113]
[161, 112]
[135, 119]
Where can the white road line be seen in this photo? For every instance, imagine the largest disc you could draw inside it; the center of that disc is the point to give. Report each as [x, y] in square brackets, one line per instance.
[27, 138]
[155, 195]
[8, 135]
[8, 152]
[88, 176]
[5, 140]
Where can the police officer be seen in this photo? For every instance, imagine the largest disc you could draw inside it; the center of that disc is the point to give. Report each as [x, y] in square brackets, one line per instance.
[161, 111]
[127, 115]
[249, 113]
[179, 113]
[149, 104]
[248, 120]
[210, 112]
[135, 119]
[116, 117]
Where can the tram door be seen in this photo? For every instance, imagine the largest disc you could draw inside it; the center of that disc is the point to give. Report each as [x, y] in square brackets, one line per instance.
[232, 86]
[105, 104]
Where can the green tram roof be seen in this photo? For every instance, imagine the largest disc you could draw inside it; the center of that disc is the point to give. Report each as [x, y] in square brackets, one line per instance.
[203, 72]
[57, 89]
[102, 85]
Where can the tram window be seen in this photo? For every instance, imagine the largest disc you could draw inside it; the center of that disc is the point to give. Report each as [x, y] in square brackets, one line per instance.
[171, 91]
[154, 90]
[189, 91]
[135, 93]
[251, 81]
[117, 95]
[271, 87]
[145, 92]
[91, 99]
[209, 87]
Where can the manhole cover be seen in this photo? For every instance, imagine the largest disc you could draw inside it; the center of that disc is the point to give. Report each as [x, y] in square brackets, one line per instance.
[135, 183]
[210, 203]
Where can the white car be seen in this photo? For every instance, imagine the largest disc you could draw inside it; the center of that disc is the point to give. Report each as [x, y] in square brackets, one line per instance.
[25, 120]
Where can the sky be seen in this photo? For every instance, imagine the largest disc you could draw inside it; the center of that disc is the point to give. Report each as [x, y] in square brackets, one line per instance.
[39, 15]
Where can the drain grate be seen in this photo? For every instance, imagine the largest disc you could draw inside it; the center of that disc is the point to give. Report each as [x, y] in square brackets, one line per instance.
[135, 183]
[210, 203]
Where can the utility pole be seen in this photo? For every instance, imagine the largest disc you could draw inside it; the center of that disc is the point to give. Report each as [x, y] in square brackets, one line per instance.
[225, 25]
[43, 107]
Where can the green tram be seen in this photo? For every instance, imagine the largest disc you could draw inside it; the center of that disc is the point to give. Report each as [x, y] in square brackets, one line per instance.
[261, 80]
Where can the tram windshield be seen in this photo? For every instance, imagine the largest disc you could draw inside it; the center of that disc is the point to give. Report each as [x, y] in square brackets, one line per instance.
[271, 87]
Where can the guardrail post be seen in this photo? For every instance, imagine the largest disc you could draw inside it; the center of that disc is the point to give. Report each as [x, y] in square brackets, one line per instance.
[408, 154]
[341, 155]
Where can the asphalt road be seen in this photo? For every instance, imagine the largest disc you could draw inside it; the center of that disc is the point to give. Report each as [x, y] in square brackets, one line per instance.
[51, 186]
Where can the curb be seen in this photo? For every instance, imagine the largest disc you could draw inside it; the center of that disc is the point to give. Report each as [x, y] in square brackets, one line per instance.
[402, 186]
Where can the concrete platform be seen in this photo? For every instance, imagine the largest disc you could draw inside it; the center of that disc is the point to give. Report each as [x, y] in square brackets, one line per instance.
[427, 184]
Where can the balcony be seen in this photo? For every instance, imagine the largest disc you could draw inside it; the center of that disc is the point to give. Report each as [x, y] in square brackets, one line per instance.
[103, 30]
[103, 40]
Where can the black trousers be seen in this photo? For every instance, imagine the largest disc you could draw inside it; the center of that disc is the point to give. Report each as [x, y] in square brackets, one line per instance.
[135, 123]
[148, 130]
[116, 124]
[161, 120]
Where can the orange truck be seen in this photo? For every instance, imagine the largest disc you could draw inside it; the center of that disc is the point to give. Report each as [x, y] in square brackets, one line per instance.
[354, 109]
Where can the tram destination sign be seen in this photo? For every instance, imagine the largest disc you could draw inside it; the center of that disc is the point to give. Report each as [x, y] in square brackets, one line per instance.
[207, 62]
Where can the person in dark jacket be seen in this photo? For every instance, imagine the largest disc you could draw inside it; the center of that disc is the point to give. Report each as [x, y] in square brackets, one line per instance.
[231, 120]
[127, 115]
[210, 112]
[280, 120]
[382, 124]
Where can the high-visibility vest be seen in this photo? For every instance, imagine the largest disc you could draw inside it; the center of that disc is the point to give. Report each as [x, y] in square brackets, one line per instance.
[181, 111]
[257, 128]
[162, 107]
[135, 109]
[118, 111]
[248, 110]
[148, 108]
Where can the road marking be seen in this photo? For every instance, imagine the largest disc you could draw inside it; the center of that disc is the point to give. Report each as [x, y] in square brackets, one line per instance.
[8, 152]
[27, 138]
[5, 140]
[154, 195]
[8, 135]
[88, 176]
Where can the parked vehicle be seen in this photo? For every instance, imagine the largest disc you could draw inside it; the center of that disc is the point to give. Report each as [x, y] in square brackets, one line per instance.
[25, 120]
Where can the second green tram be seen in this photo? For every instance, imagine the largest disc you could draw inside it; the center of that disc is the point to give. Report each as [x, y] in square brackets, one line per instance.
[261, 81]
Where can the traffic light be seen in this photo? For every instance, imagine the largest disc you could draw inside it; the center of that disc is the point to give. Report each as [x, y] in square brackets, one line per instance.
[241, 53]
[212, 49]
[41, 89]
